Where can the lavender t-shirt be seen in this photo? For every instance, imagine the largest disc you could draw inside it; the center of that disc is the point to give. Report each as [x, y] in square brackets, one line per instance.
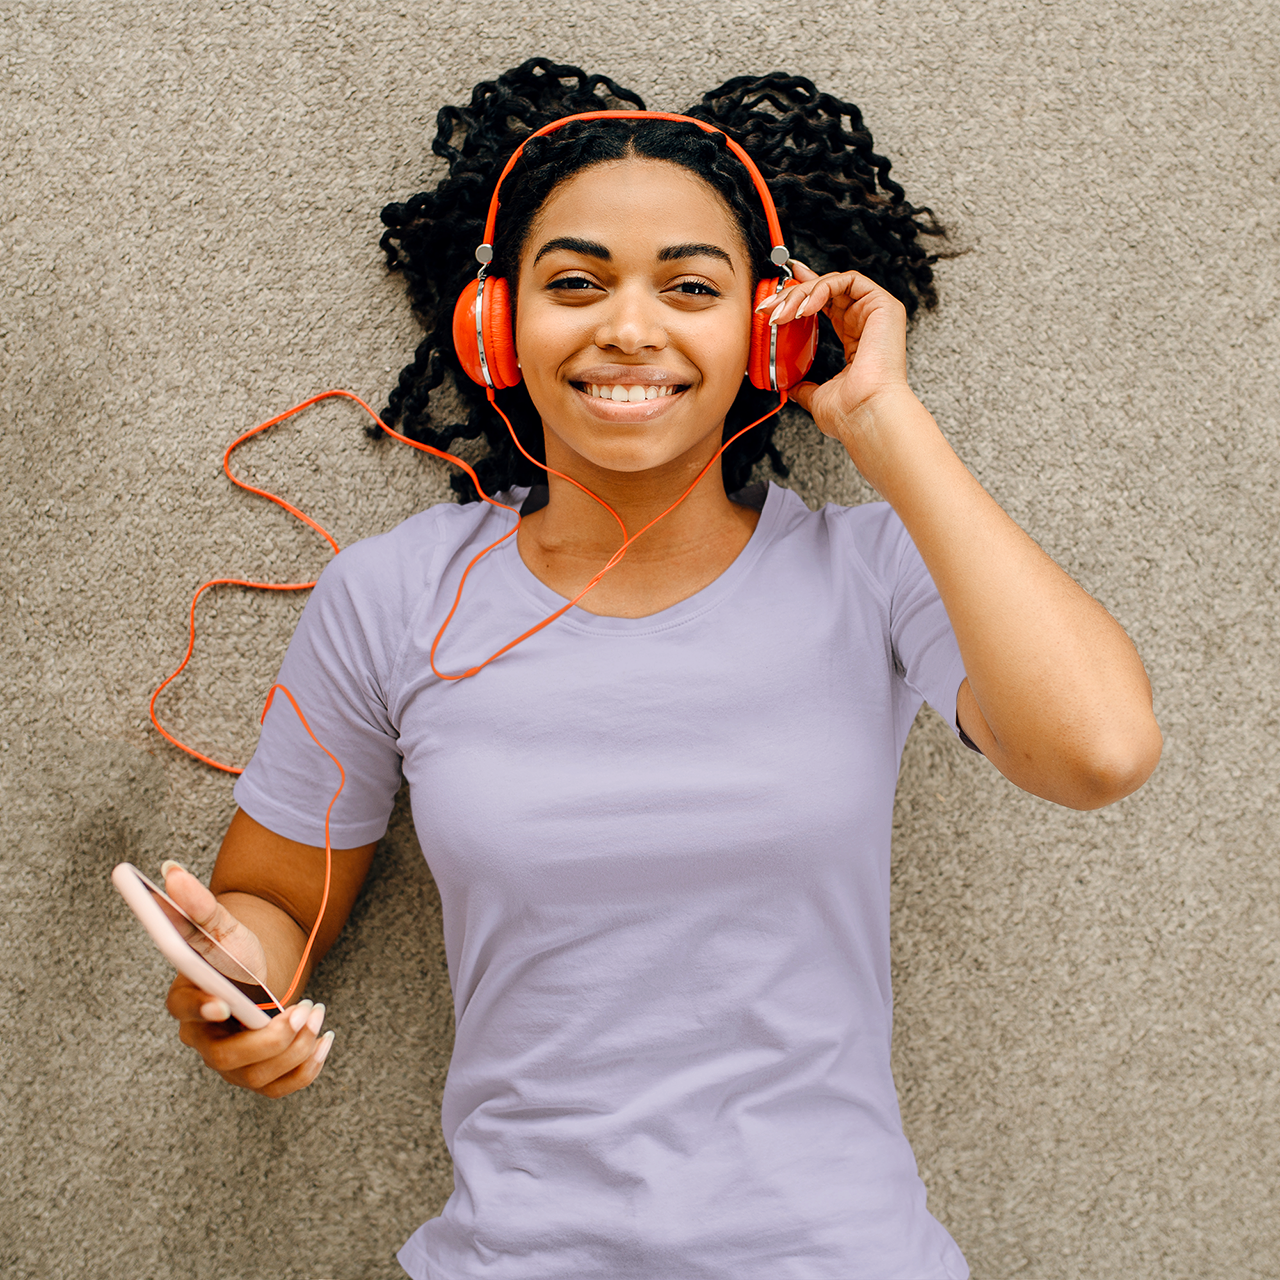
[662, 849]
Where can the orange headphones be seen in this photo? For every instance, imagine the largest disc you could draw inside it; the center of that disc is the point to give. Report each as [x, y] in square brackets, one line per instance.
[484, 337]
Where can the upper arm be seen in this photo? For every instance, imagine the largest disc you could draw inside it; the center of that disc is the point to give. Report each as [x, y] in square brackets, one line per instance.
[255, 860]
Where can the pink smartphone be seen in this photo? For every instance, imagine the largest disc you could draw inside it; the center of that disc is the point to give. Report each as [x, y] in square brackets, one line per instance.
[193, 952]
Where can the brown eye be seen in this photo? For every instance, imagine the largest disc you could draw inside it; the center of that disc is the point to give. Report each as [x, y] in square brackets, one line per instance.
[697, 289]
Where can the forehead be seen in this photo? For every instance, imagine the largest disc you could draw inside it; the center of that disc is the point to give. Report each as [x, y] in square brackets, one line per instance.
[637, 205]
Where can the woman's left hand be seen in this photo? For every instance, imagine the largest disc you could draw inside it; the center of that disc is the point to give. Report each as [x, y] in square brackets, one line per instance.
[871, 325]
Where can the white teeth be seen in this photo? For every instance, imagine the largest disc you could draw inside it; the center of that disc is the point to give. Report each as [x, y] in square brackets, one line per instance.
[627, 395]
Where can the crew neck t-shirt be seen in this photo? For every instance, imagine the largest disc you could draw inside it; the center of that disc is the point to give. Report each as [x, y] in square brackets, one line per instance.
[662, 850]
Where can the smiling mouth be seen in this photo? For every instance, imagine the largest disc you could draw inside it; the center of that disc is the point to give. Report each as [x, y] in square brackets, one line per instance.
[634, 394]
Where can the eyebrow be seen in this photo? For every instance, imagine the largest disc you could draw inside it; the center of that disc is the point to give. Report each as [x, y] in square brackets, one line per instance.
[674, 251]
[591, 249]
[588, 248]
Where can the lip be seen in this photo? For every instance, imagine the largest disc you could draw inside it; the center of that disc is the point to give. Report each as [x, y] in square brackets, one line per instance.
[630, 375]
[626, 410]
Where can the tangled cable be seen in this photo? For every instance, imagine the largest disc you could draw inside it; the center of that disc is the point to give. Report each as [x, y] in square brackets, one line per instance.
[627, 541]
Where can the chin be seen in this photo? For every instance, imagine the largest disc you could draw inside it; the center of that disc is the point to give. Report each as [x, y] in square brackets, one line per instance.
[627, 463]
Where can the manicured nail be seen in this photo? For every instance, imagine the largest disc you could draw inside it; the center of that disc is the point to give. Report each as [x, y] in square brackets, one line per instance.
[322, 1049]
[215, 1011]
[768, 302]
[299, 1014]
[316, 1021]
[169, 865]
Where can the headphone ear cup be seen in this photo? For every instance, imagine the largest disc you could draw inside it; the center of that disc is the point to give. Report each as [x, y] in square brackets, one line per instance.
[797, 344]
[495, 325]
[464, 333]
[758, 359]
[500, 334]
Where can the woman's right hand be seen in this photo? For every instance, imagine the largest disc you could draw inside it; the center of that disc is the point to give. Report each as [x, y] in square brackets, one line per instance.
[274, 1061]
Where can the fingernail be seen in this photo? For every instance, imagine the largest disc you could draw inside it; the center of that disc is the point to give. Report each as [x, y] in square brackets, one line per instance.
[802, 309]
[299, 1014]
[316, 1021]
[169, 865]
[215, 1011]
[322, 1049]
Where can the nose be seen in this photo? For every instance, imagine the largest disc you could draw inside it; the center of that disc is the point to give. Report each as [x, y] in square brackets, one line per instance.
[632, 321]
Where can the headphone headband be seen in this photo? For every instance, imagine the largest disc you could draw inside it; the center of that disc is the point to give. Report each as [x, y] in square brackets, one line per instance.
[484, 337]
[778, 253]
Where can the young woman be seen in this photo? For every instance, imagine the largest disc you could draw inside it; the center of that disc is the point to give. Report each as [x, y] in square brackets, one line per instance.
[660, 825]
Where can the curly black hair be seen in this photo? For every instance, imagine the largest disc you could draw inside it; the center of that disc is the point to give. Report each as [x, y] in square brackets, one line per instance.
[839, 208]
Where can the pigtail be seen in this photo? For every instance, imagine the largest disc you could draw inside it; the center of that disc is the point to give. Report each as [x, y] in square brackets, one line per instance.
[431, 238]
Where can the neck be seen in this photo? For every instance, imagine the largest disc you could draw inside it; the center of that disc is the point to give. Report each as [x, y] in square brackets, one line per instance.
[573, 537]
[576, 524]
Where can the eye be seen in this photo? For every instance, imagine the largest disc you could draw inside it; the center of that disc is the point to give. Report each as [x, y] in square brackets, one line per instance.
[572, 284]
[697, 289]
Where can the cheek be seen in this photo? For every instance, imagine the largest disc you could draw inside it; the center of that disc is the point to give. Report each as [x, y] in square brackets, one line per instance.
[544, 342]
[546, 332]
[741, 353]
[725, 352]
[725, 341]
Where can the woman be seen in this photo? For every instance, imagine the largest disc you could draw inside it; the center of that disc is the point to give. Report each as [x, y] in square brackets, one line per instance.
[660, 825]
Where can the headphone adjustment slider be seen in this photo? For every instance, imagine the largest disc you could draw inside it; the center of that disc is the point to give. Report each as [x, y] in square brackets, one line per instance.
[484, 254]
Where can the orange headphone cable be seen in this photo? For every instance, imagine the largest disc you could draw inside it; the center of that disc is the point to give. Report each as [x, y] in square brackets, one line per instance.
[613, 560]
[328, 846]
[276, 586]
[628, 540]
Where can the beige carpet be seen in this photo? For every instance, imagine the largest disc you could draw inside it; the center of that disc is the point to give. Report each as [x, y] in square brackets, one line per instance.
[1088, 1012]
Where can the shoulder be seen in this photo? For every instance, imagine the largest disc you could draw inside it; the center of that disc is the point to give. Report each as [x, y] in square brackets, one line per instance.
[364, 603]
[869, 537]
[379, 580]
[413, 551]
[866, 524]
[866, 521]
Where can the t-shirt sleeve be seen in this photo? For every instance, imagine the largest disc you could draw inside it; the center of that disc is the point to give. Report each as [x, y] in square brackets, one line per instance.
[337, 668]
[924, 645]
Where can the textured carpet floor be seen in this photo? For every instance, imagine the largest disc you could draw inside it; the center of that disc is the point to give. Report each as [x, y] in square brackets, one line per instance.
[1088, 1009]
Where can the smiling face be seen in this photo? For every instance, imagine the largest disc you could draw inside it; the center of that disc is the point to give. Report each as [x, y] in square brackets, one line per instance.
[633, 318]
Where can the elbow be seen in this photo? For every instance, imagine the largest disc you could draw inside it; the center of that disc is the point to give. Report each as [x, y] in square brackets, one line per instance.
[1118, 768]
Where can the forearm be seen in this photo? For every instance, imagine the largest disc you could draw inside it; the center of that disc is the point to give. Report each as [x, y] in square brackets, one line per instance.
[276, 887]
[282, 938]
[1064, 702]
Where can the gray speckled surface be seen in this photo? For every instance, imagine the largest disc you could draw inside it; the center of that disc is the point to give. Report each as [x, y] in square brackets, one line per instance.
[1088, 1007]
